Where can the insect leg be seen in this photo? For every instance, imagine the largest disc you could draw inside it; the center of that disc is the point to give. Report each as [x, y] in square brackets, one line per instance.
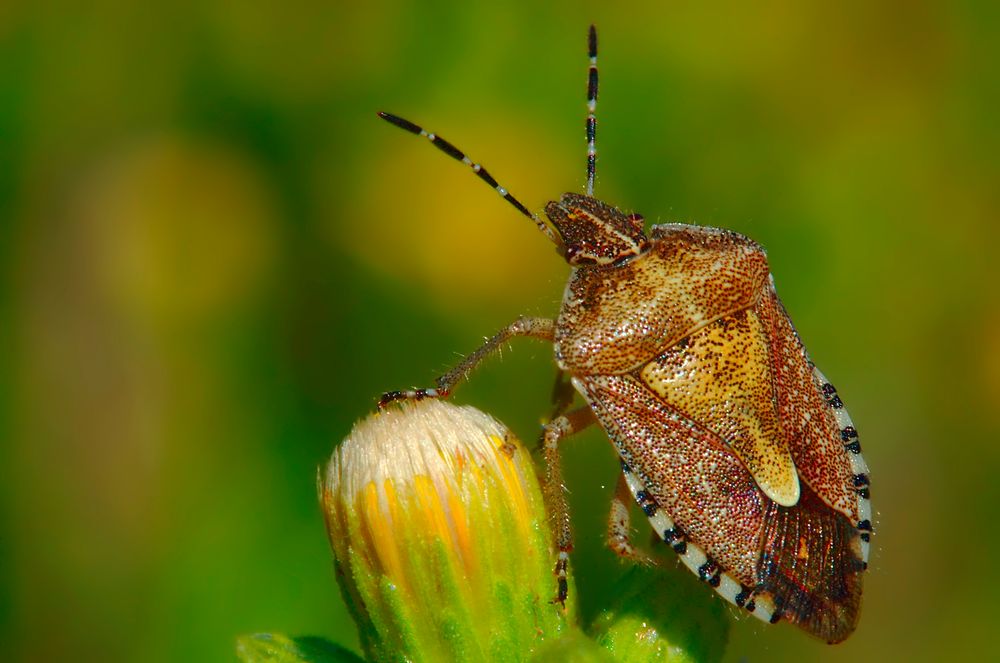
[619, 526]
[542, 328]
[555, 491]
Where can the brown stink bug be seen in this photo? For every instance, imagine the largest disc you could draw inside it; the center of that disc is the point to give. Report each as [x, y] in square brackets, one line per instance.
[735, 446]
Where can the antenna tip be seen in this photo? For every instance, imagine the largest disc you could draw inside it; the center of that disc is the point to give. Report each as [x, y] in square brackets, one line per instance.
[592, 40]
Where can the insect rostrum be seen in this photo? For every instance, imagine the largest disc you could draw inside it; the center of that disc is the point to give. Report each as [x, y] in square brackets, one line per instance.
[735, 446]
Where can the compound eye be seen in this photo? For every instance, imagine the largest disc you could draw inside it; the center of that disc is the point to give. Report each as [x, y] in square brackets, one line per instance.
[575, 255]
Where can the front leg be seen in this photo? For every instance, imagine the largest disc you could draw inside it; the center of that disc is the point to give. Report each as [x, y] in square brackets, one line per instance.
[542, 328]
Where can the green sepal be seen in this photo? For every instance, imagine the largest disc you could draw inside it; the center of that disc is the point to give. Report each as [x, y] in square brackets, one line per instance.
[663, 614]
[573, 647]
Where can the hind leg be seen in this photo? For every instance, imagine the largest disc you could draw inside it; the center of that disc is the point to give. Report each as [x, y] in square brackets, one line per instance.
[620, 526]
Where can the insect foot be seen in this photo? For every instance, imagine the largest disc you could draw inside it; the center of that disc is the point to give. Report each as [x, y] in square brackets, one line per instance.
[409, 395]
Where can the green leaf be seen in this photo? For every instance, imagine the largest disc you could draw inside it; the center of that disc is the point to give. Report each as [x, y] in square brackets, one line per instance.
[277, 648]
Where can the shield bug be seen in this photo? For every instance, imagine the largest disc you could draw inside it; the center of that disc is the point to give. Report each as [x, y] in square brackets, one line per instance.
[735, 446]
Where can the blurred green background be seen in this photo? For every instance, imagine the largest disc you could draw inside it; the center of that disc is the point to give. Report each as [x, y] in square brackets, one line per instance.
[215, 257]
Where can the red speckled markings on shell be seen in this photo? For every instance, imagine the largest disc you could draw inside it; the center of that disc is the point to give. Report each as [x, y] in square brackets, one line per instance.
[733, 444]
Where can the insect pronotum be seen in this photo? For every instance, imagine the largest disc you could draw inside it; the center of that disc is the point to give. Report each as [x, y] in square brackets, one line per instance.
[734, 445]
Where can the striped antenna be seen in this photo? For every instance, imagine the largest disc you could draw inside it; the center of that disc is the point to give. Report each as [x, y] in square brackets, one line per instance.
[591, 109]
[481, 172]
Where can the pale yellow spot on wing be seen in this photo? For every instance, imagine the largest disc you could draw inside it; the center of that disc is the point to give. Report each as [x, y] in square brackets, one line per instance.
[721, 381]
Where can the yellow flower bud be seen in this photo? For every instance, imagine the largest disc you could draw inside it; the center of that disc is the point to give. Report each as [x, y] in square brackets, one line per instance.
[440, 536]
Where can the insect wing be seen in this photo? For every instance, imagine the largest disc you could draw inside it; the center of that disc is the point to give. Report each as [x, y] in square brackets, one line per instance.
[820, 432]
[801, 562]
